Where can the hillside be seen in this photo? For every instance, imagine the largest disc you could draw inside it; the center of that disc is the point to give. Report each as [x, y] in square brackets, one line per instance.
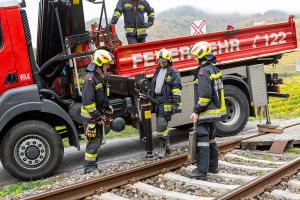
[176, 22]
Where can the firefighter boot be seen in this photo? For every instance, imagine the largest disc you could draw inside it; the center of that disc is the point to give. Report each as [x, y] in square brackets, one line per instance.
[213, 170]
[196, 174]
[164, 142]
[90, 166]
[168, 149]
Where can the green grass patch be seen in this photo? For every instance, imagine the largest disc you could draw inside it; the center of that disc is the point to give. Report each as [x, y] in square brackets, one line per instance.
[261, 172]
[267, 157]
[293, 150]
[239, 182]
[286, 68]
[128, 131]
[66, 142]
[283, 108]
[19, 188]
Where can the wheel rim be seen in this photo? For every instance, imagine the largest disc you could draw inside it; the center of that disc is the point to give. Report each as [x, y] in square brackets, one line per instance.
[32, 151]
[233, 111]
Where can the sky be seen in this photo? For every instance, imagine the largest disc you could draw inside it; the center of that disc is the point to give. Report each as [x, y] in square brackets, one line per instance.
[212, 6]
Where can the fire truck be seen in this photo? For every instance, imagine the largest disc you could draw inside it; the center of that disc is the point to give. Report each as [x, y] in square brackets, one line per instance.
[40, 95]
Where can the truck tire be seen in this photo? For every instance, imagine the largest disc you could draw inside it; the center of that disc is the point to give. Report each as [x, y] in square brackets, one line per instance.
[31, 150]
[237, 106]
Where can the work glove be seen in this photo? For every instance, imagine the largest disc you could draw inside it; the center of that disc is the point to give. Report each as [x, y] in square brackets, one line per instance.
[91, 131]
[104, 120]
[148, 25]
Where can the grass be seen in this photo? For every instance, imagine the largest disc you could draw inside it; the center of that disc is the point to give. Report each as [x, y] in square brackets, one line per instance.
[127, 132]
[283, 108]
[261, 172]
[239, 182]
[268, 157]
[292, 153]
[293, 150]
[19, 188]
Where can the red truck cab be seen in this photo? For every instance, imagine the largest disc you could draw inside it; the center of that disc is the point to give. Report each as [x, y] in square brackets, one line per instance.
[14, 63]
[30, 146]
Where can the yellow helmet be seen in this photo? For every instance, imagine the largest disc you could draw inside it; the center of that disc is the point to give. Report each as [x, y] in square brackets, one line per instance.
[101, 57]
[164, 55]
[201, 49]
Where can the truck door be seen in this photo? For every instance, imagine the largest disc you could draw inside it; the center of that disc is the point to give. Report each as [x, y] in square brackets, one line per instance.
[8, 75]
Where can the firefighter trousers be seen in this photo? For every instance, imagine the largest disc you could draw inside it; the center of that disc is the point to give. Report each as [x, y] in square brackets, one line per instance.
[135, 39]
[94, 143]
[162, 126]
[207, 150]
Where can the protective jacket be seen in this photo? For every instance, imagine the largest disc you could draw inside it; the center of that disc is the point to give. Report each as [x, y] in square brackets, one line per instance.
[134, 20]
[170, 97]
[94, 95]
[209, 93]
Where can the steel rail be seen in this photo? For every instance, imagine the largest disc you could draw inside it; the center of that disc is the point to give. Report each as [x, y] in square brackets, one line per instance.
[90, 187]
[259, 185]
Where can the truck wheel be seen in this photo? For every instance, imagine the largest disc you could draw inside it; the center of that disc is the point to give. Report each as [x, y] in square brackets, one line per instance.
[237, 107]
[31, 150]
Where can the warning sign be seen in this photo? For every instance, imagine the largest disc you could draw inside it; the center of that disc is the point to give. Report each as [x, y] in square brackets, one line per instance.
[76, 2]
[198, 27]
[148, 114]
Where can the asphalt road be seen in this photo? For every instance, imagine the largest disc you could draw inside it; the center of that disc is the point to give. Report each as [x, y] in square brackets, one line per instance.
[116, 148]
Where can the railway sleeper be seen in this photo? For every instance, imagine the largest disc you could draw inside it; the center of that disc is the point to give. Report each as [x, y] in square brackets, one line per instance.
[244, 167]
[199, 183]
[110, 196]
[294, 185]
[157, 192]
[234, 156]
[234, 177]
[284, 195]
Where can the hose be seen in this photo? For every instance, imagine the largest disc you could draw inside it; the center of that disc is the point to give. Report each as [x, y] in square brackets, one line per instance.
[56, 97]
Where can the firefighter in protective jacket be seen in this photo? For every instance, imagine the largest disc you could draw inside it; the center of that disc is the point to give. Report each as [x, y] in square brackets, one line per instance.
[209, 108]
[166, 89]
[134, 20]
[96, 107]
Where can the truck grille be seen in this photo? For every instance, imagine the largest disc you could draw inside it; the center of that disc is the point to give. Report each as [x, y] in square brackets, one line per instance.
[26, 26]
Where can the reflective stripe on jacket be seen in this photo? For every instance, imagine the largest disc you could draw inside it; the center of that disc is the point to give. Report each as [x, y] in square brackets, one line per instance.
[94, 95]
[209, 93]
[134, 16]
[171, 90]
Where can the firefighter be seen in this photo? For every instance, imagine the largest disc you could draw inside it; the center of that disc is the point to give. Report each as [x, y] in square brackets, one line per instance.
[209, 108]
[166, 90]
[135, 26]
[96, 107]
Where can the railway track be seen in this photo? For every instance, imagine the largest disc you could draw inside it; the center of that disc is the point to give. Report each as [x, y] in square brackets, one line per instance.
[242, 174]
[235, 181]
